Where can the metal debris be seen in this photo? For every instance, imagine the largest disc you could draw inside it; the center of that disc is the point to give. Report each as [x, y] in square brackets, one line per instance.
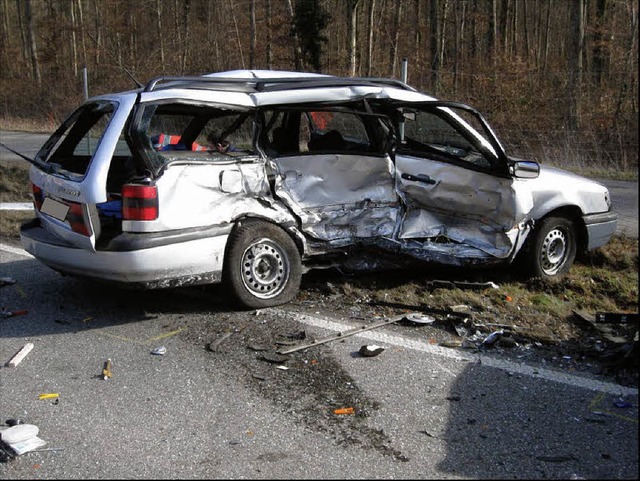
[616, 317]
[341, 335]
[159, 351]
[492, 338]
[464, 284]
[418, 318]
[6, 281]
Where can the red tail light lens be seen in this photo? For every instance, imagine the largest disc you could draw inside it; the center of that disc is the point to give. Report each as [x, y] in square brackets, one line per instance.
[139, 202]
[76, 219]
[37, 196]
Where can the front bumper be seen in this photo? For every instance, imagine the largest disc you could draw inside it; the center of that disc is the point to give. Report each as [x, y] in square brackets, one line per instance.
[145, 264]
[600, 228]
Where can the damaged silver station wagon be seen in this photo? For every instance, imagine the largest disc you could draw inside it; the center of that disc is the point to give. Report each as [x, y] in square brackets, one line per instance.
[251, 178]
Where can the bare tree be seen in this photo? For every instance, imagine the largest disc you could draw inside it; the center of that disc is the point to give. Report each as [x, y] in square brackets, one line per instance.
[268, 49]
[393, 54]
[160, 34]
[297, 49]
[576, 46]
[252, 34]
[372, 7]
[33, 50]
[352, 16]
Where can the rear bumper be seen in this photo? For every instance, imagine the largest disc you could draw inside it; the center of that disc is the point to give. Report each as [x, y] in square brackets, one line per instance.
[144, 260]
[600, 228]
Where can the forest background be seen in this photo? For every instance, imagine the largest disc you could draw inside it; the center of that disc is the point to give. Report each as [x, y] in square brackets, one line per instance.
[557, 79]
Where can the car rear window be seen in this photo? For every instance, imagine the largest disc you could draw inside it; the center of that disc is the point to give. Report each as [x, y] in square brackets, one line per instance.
[73, 145]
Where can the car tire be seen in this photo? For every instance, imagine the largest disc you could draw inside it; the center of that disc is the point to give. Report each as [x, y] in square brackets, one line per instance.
[553, 248]
[263, 266]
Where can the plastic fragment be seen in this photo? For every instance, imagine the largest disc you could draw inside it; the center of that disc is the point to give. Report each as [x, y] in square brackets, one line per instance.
[106, 370]
[344, 411]
[370, 350]
[20, 355]
[49, 395]
[159, 351]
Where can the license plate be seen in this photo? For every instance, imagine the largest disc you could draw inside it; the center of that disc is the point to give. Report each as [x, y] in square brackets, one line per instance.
[54, 208]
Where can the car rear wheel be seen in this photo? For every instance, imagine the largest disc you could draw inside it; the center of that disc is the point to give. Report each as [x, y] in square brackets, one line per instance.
[263, 266]
[554, 248]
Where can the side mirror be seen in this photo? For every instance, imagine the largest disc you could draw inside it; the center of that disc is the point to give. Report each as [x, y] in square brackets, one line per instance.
[524, 169]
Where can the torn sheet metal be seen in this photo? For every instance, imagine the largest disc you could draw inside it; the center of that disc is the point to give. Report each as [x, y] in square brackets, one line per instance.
[339, 196]
[466, 206]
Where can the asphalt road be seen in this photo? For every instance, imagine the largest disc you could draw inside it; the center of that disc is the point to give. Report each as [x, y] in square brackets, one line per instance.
[443, 413]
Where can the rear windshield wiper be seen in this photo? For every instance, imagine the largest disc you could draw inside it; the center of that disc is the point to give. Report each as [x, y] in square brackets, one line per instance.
[28, 159]
[48, 167]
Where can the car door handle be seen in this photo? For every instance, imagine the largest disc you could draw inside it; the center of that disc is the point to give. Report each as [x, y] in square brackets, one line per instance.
[425, 179]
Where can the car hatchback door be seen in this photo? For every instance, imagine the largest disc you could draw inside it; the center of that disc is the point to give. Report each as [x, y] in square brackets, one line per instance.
[71, 170]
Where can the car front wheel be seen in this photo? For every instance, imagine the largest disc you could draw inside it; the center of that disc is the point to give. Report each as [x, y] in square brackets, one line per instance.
[263, 266]
[554, 248]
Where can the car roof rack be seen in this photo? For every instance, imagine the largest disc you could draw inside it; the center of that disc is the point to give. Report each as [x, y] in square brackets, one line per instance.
[266, 84]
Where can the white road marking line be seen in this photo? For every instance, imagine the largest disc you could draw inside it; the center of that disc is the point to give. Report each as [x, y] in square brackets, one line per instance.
[15, 250]
[509, 366]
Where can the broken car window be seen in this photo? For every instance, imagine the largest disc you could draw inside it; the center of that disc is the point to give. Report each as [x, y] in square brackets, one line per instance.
[75, 143]
[433, 134]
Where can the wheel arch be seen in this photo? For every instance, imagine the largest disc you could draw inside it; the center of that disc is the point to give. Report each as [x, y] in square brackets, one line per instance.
[289, 228]
[574, 214]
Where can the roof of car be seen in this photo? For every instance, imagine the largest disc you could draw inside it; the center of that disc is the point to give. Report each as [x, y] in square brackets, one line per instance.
[248, 88]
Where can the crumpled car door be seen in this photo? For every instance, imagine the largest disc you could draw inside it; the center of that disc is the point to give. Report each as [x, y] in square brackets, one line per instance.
[456, 190]
[339, 197]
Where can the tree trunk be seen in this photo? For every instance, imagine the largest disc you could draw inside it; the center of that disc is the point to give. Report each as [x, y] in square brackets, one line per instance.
[252, 34]
[83, 43]
[98, 24]
[74, 50]
[372, 7]
[417, 13]
[23, 32]
[393, 54]
[160, 34]
[576, 46]
[267, 15]
[33, 50]
[238, 39]
[352, 15]
[599, 43]
[434, 44]
[547, 30]
[297, 49]
[187, 28]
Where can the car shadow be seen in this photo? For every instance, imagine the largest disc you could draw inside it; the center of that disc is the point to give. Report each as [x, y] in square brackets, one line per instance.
[42, 302]
[503, 425]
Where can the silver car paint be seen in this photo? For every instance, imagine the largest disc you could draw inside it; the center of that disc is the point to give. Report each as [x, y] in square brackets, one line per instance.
[485, 218]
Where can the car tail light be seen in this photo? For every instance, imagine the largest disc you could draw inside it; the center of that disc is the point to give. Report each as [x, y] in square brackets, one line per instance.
[37, 196]
[139, 202]
[76, 219]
